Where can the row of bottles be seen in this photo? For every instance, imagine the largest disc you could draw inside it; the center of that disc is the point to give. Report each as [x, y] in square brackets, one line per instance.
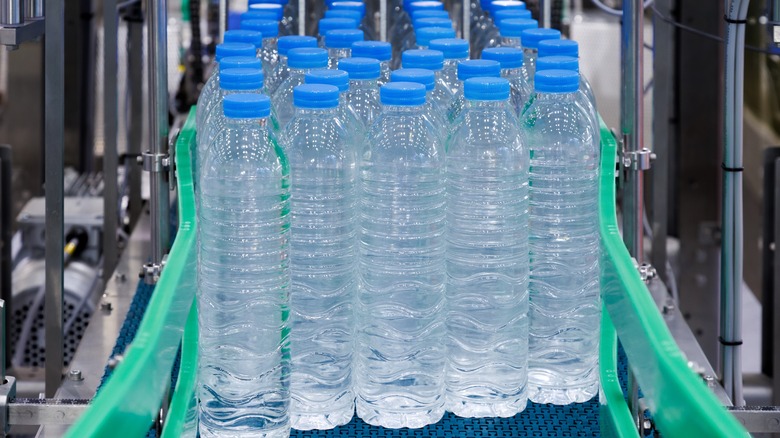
[399, 243]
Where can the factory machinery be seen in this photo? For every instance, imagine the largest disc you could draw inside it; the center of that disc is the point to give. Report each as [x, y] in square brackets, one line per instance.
[99, 330]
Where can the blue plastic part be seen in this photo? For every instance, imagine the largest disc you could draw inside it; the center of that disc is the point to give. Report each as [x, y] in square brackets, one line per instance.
[474, 68]
[508, 57]
[246, 79]
[556, 81]
[380, 50]
[425, 35]
[316, 96]
[269, 28]
[286, 43]
[416, 75]
[402, 93]
[240, 62]
[486, 89]
[514, 27]
[246, 106]
[429, 59]
[444, 23]
[359, 7]
[337, 78]
[327, 24]
[532, 37]
[342, 38]
[558, 63]
[559, 48]
[507, 14]
[360, 68]
[452, 48]
[307, 57]
[234, 49]
[244, 36]
[275, 9]
[344, 13]
[256, 15]
[503, 5]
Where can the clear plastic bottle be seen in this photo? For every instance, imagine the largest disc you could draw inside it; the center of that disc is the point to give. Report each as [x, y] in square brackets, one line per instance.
[565, 307]
[401, 354]
[340, 79]
[572, 63]
[379, 50]
[244, 36]
[339, 44]
[363, 93]
[455, 50]
[323, 257]
[487, 256]
[224, 50]
[472, 68]
[530, 39]
[299, 61]
[430, 60]
[282, 70]
[567, 48]
[269, 53]
[511, 31]
[434, 109]
[327, 24]
[425, 35]
[244, 278]
[511, 60]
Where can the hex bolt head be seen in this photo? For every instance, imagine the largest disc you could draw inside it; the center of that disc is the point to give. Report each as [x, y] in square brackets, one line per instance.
[75, 375]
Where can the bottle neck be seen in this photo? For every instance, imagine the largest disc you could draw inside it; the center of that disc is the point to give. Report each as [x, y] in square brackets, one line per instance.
[555, 97]
[301, 71]
[453, 62]
[362, 84]
[270, 43]
[314, 112]
[510, 41]
[261, 123]
[486, 105]
[339, 53]
[509, 73]
[402, 110]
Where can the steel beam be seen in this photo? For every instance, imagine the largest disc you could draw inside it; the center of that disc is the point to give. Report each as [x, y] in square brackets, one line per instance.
[110, 120]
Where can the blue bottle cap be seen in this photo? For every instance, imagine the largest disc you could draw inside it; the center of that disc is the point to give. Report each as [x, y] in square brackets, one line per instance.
[532, 37]
[478, 68]
[246, 106]
[307, 57]
[416, 75]
[360, 68]
[343, 13]
[241, 79]
[502, 5]
[452, 48]
[276, 9]
[359, 7]
[234, 20]
[430, 14]
[342, 38]
[315, 96]
[294, 42]
[425, 5]
[508, 57]
[244, 36]
[337, 78]
[514, 27]
[421, 23]
[256, 15]
[234, 49]
[507, 14]
[425, 35]
[486, 89]
[327, 24]
[559, 48]
[558, 63]
[429, 59]
[380, 50]
[556, 81]
[402, 93]
[269, 28]
[485, 5]
[240, 62]
[257, 2]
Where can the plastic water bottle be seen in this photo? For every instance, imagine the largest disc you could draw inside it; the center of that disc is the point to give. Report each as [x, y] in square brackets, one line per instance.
[455, 50]
[327, 24]
[435, 109]
[511, 60]
[530, 39]
[282, 70]
[430, 60]
[425, 35]
[504, 14]
[366, 24]
[340, 79]
[471, 68]
[300, 61]
[339, 44]
[572, 63]
[378, 50]
[363, 93]
[244, 278]
[323, 259]
[487, 256]
[244, 36]
[401, 354]
[565, 307]
[269, 53]
[511, 31]
[567, 48]
[212, 83]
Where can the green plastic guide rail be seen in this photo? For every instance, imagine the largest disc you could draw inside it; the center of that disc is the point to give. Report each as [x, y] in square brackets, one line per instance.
[681, 404]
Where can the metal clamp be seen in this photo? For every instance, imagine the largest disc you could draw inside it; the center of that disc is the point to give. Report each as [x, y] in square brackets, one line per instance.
[155, 162]
[647, 272]
[150, 272]
[638, 160]
[7, 393]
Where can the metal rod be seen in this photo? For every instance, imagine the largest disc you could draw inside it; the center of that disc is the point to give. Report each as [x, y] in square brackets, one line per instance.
[301, 17]
[135, 69]
[545, 11]
[110, 119]
[632, 108]
[11, 12]
[6, 234]
[223, 13]
[54, 96]
[33, 9]
[776, 290]
[466, 28]
[3, 340]
[383, 20]
[156, 19]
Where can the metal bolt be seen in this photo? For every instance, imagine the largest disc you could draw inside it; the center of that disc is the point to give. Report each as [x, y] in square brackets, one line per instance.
[647, 425]
[106, 306]
[75, 375]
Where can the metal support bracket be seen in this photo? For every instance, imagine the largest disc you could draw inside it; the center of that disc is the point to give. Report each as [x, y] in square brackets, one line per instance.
[7, 393]
[34, 412]
[150, 272]
[640, 160]
[155, 162]
[758, 419]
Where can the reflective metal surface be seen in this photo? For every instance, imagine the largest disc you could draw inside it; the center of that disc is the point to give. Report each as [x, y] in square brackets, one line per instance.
[11, 12]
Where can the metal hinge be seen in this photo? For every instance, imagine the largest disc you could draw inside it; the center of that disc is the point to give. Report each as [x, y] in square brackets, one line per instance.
[638, 160]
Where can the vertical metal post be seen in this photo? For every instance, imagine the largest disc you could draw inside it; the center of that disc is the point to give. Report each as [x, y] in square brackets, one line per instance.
[156, 159]
[3, 340]
[223, 17]
[33, 9]
[301, 17]
[383, 20]
[776, 294]
[6, 205]
[466, 20]
[11, 12]
[54, 95]
[110, 119]
[135, 126]
[545, 11]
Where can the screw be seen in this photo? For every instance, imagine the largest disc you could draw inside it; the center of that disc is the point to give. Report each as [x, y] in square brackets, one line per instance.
[75, 375]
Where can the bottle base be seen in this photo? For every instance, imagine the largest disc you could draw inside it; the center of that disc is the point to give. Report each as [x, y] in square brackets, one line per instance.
[311, 421]
[486, 408]
[206, 432]
[399, 419]
[559, 396]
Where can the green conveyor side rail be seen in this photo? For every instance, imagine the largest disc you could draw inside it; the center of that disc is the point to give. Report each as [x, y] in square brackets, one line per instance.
[681, 404]
[130, 399]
